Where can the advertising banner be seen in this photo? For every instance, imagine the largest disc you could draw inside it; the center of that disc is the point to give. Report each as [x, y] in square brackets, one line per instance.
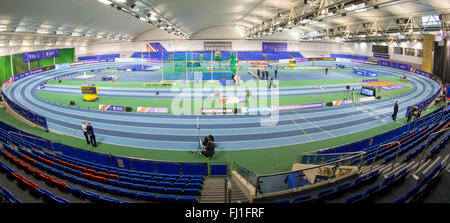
[384, 56]
[7, 83]
[231, 100]
[322, 59]
[155, 47]
[274, 47]
[297, 107]
[111, 108]
[152, 110]
[366, 99]
[218, 46]
[61, 66]
[219, 111]
[343, 102]
[38, 55]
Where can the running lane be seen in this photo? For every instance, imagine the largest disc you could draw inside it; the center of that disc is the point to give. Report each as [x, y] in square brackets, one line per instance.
[232, 132]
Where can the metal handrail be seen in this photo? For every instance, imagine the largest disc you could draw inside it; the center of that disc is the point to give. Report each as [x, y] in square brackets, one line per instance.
[427, 144]
[228, 190]
[376, 153]
[336, 163]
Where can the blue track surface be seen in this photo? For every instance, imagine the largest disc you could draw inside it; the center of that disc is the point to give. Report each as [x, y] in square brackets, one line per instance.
[231, 132]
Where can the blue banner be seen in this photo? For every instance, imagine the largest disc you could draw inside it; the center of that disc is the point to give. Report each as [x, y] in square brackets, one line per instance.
[395, 65]
[384, 56]
[274, 47]
[38, 55]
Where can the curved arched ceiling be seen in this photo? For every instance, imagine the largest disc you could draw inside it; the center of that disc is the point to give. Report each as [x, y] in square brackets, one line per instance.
[201, 19]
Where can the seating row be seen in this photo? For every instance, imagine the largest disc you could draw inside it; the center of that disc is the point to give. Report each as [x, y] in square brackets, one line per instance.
[424, 184]
[90, 195]
[330, 193]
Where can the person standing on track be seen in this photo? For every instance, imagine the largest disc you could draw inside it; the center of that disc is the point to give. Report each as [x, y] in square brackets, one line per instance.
[90, 132]
[85, 132]
[394, 115]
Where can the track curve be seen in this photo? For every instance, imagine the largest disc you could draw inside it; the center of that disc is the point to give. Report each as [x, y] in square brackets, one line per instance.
[232, 132]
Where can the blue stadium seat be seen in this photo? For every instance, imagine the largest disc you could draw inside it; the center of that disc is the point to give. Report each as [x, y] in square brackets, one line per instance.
[282, 202]
[322, 195]
[105, 199]
[159, 190]
[142, 187]
[371, 191]
[129, 193]
[91, 196]
[176, 191]
[354, 199]
[188, 200]
[191, 191]
[167, 199]
[147, 196]
[303, 199]
[112, 190]
[399, 200]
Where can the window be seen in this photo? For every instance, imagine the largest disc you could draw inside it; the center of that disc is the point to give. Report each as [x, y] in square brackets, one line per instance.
[431, 20]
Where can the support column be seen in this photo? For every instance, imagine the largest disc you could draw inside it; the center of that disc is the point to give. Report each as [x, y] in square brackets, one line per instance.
[427, 60]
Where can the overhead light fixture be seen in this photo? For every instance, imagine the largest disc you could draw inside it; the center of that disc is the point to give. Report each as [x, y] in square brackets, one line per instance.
[20, 29]
[106, 2]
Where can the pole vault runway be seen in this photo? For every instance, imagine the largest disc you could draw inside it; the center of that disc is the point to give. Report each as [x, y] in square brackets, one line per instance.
[231, 132]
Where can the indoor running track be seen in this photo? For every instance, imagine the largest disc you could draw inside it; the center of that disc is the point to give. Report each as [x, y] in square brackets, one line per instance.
[231, 132]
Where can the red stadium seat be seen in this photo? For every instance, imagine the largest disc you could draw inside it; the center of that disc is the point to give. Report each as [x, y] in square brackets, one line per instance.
[27, 158]
[48, 179]
[60, 184]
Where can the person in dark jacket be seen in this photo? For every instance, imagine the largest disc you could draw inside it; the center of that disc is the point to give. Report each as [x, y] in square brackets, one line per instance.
[208, 143]
[276, 73]
[90, 132]
[85, 132]
[409, 113]
[394, 115]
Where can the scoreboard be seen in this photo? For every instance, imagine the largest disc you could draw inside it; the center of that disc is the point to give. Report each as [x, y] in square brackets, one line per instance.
[89, 89]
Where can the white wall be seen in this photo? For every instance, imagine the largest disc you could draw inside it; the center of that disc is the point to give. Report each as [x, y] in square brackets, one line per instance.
[307, 49]
[365, 49]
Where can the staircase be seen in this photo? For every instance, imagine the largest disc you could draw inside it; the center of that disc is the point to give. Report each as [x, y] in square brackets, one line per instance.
[214, 191]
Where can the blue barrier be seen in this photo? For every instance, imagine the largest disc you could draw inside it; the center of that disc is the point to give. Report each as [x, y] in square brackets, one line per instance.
[347, 56]
[102, 56]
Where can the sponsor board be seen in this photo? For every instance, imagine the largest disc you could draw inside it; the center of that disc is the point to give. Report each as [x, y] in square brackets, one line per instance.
[6, 84]
[61, 66]
[125, 60]
[366, 99]
[152, 110]
[111, 108]
[297, 107]
[380, 55]
[322, 59]
[212, 111]
[268, 47]
[342, 102]
[218, 45]
[76, 63]
[231, 100]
